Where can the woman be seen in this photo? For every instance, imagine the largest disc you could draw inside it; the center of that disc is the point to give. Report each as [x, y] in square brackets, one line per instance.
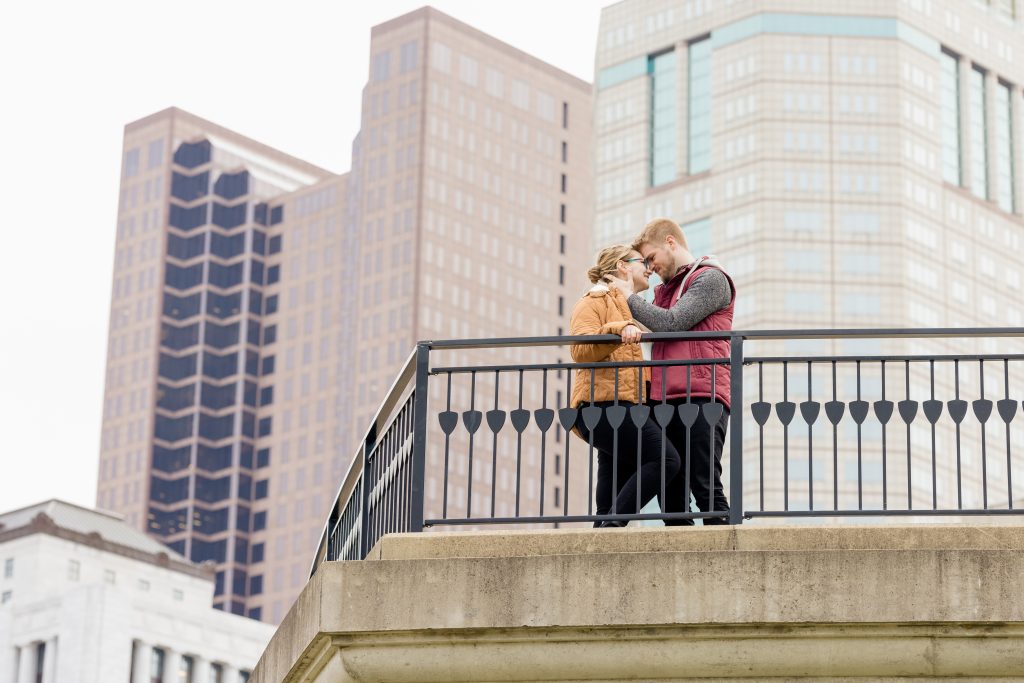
[603, 310]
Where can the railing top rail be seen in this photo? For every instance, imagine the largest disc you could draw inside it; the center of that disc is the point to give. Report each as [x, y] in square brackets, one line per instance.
[752, 335]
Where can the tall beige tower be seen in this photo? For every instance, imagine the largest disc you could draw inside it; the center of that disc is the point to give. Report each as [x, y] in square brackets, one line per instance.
[853, 164]
[262, 306]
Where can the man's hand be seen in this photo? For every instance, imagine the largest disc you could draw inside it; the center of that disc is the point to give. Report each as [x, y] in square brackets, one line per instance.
[630, 334]
[624, 286]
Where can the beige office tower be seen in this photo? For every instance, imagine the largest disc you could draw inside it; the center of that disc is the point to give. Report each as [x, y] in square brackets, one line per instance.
[852, 164]
[262, 306]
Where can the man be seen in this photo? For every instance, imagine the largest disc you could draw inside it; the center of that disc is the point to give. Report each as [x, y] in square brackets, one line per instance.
[695, 295]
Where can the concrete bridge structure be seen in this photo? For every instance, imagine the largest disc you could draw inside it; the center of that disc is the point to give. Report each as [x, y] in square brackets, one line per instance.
[849, 603]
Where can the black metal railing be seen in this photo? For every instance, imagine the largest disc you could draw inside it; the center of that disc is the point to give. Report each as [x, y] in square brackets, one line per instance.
[822, 435]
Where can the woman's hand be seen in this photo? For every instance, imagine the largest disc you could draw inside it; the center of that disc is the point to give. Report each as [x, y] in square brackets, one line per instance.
[624, 286]
[630, 334]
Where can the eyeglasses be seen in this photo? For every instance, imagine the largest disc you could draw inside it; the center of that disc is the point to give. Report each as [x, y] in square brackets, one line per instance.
[645, 261]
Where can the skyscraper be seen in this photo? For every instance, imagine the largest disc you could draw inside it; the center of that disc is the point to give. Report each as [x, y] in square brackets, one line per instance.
[852, 164]
[261, 305]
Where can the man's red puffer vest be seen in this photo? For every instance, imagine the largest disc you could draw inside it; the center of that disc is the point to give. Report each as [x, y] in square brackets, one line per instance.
[665, 296]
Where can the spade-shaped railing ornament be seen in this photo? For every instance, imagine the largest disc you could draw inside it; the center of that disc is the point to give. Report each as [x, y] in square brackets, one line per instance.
[1007, 408]
[449, 419]
[907, 409]
[957, 410]
[520, 418]
[982, 409]
[834, 411]
[761, 410]
[544, 417]
[472, 419]
[932, 410]
[786, 410]
[495, 420]
[810, 410]
[688, 413]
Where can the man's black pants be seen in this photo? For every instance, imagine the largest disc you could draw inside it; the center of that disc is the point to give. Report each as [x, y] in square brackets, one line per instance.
[700, 448]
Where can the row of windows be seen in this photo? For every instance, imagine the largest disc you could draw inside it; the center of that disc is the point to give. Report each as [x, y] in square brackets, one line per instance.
[226, 217]
[213, 396]
[220, 276]
[211, 427]
[224, 246]
[208, 458]
[221, 306]
[207, 490]
[214, 365]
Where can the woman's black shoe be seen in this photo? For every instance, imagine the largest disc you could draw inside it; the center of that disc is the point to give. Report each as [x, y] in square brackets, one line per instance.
[612, 524]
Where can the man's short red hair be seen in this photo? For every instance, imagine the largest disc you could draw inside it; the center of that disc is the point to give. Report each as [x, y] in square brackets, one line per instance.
[655, 232]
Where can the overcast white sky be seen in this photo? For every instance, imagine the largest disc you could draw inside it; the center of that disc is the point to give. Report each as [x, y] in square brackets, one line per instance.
[72, 74]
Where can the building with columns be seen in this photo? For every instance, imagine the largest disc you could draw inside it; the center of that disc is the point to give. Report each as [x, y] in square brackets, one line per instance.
[85, 597]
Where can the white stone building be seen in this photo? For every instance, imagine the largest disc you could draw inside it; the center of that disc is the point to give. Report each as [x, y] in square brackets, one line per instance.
[84, 597]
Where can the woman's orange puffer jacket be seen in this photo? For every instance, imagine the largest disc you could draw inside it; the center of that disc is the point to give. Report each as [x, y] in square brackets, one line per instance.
[604, 311]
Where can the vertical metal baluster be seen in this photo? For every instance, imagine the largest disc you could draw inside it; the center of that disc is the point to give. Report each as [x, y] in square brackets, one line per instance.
[686, 483]
[568, 438]
[1009, 464]
[736, 418]
[959, 474]
[664, 438]
[785, 439]
[519, 446]
[885, 470]
[910, 493]
[984, 452]
[543, 441]
[835, 446]
[494, 450]
[711, 445]
[639, 433]
[760, 432]
[860, 453]
[590, 458]
[447, 439]
[935, 493]
[419, 438]
[469, 474]
[615, 450]
[810, 446]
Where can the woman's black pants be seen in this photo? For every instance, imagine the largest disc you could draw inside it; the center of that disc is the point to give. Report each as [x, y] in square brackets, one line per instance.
[631, 469]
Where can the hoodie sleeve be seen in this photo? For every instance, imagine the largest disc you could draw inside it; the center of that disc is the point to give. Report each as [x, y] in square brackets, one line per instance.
[587, 320]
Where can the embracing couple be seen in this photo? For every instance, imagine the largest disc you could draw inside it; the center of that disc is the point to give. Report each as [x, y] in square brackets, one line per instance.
[695, 295]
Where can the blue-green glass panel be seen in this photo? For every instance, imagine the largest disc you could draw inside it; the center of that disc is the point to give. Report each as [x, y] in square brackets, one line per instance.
[662, 69]
[622, 72]
[698, 236]
[699, 105]
[949, 99]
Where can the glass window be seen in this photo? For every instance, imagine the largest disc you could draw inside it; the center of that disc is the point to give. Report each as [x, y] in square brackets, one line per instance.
[217, 397]
[179, 338]
[259, 521]
[187, 219]
[229, 216]
[232, 185]
[225, 276]
[9, 568]
[175, 398]
[215, 428]
[270, 334]
[185, 248]
[242, 515]
[171, 459]
[208, 550]
[266, 396]
[213, 459]
[216, 673]
[271, 306]
[168, 490]
[255, 585]
[192, 154]
[699, 104]
[275, 245]
[156, 663]
[263, 457]
[172, 429]
[249, 395]
[155, 153]
[219, 367]
[227, 246]
[188, 188]
[380, 68]
[268, 365]
[213, 490]
[109, 577]
[698, 236]
[5, 597]
[224, 306]
[662, 70]
[221, 336]
[257, 553]
[164, 523]
[177, 368]
[210, 521]
[979, 151]
[131, 163]
[74, 570]
[409, 56]
[181, 307]
[183, 277]
[949, 99]
[1004, 147]
[276, 215]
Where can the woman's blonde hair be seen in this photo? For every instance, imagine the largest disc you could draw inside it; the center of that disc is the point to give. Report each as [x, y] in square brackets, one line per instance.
[607, 261]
